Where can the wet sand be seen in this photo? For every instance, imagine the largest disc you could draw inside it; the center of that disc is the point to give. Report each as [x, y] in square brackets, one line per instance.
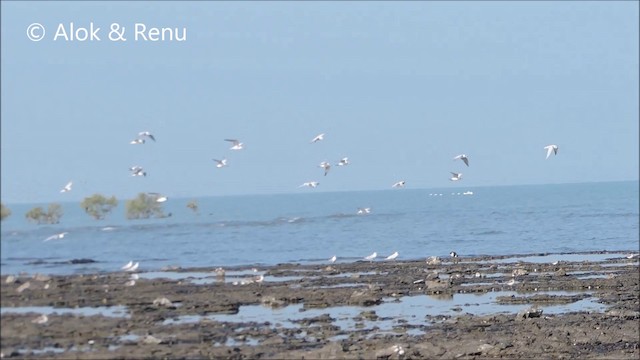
[516, 306]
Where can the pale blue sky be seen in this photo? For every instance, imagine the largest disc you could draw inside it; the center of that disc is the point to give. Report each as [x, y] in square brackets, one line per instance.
[399, 88]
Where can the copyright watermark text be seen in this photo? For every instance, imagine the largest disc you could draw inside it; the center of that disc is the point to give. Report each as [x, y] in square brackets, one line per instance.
[90, 32]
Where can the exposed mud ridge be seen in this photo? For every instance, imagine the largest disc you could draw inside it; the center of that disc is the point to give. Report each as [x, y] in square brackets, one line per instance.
[476, 307]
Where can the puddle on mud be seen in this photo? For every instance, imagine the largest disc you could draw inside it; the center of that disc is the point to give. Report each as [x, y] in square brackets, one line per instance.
[551, 258]
[585, 275]
[129, 338]
[342, 285]
[480, 284]
[172, 275]
[43, 351]
[406, 314]
[238, 277]
[620, 264]
[355, 275]
[109, 311]
[231, 342]
[59, 350]
[201, 277]
[593, 276]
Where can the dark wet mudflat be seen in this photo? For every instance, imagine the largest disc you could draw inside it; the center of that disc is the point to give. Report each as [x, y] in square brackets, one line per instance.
[530, 306]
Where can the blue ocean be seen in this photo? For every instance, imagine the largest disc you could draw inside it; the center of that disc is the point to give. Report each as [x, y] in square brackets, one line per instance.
[311, 227]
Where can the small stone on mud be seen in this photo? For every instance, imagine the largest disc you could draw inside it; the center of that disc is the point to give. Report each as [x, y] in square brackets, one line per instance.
[485, 347]
[532, 312]
[41, 277]
[273, 302]
[162, 301]
[23, 287]
[151, 340]
[561, 272]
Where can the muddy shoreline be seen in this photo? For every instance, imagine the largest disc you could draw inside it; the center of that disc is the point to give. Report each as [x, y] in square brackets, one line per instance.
[512, 306]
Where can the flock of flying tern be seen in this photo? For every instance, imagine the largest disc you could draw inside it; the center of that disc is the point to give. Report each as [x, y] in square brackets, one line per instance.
[236, 145]
[326, 166]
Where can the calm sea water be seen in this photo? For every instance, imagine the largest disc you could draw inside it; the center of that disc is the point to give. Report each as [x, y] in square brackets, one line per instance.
[311, 227]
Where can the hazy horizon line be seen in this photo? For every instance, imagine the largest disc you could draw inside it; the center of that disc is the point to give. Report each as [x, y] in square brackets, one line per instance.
[195, 197]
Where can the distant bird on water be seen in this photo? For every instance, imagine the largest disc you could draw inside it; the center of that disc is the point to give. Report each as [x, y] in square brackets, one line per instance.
[399, 184]
[318, 137]
[237, 145]
[56, 236]
[551, 149]
[462, 157]
[362, 211]
[67, 187]
[137, 141]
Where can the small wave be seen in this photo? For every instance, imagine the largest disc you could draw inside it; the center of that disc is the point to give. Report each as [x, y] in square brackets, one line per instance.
[489, 232]
[608, 215]
[76, 261]
[341, 216]
[37, 262]
[30, 258]
[43, 261]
